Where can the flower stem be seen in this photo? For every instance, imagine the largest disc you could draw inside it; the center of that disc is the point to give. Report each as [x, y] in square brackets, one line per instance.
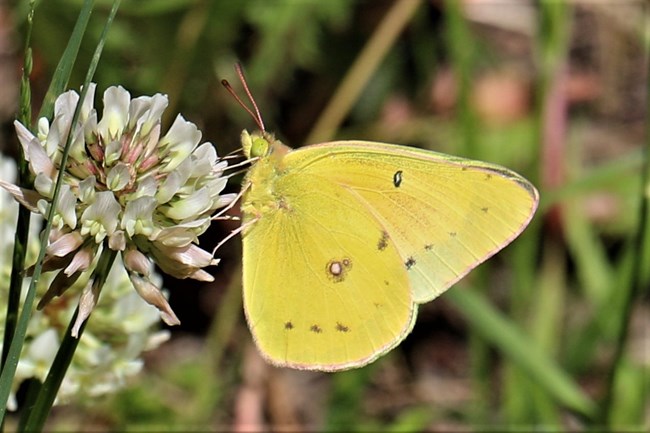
[35, 416]
[24, 215]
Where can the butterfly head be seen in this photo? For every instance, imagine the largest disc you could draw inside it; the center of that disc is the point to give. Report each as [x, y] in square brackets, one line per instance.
[255, 145]
[261, 144]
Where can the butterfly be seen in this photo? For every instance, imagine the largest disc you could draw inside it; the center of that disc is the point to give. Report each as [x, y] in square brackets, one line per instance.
[343, 240]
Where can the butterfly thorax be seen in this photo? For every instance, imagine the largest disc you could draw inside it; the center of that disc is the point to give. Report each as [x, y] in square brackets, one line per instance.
[261, 195]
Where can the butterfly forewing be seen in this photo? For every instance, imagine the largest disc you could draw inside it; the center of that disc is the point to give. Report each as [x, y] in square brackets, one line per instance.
[444, 215]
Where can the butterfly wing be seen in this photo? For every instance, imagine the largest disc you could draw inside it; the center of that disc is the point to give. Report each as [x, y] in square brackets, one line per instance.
[318, 293]
[341, 239]
[444, 215]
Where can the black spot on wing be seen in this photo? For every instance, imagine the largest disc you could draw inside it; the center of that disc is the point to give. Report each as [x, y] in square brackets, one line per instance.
[316, 329]
[288, 325]
[397, 178]
[342, 328]
[337, 269]
[428, 247]
[383, 241]
[410, 262]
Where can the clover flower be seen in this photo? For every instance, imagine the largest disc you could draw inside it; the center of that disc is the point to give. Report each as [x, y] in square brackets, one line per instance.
[123, 326]
[126, 188]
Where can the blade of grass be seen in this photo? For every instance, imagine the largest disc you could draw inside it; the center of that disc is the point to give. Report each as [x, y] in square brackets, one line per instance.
[24, 215]
[361, 71]
[13, 355]
[639, 242]
[524, 395]
[547, 321]
[605, 175]
[25, 180]
[522, 255]
[461, 48]
[64, 67]
[508, 338]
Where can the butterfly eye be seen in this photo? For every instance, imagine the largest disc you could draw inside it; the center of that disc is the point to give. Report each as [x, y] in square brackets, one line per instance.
[260, 147]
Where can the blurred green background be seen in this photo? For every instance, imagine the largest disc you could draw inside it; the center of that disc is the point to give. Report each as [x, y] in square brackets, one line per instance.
[555, 90]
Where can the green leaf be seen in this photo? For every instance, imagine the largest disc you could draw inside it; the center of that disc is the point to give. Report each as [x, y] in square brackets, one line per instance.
[510, 340]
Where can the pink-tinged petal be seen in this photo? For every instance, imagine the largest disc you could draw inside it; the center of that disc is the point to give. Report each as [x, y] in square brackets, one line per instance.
[65, 244]
[39, 161]
[87, 303]
[152, 295]
[26, 197]
[194, 256]
[181, 262]
[66, 206]
[137, 262]
[44, 185]
[81, 261]
[25, 136]
[117, 241]
[201, 275]
[225, 200]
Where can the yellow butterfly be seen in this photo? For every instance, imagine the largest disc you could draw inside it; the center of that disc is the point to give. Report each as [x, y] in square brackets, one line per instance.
[343, 240]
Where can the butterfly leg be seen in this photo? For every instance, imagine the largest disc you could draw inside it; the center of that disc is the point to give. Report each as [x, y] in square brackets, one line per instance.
[219, 214]
[233, 234]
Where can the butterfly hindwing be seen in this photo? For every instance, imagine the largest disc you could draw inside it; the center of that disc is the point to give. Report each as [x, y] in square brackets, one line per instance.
[319, 292]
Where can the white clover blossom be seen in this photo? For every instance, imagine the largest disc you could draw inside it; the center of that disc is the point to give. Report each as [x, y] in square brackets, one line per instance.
[123, 325]
[126, 188]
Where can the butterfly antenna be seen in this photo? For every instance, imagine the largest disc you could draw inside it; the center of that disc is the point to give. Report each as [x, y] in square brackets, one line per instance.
[257, 117]
[242, 78]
